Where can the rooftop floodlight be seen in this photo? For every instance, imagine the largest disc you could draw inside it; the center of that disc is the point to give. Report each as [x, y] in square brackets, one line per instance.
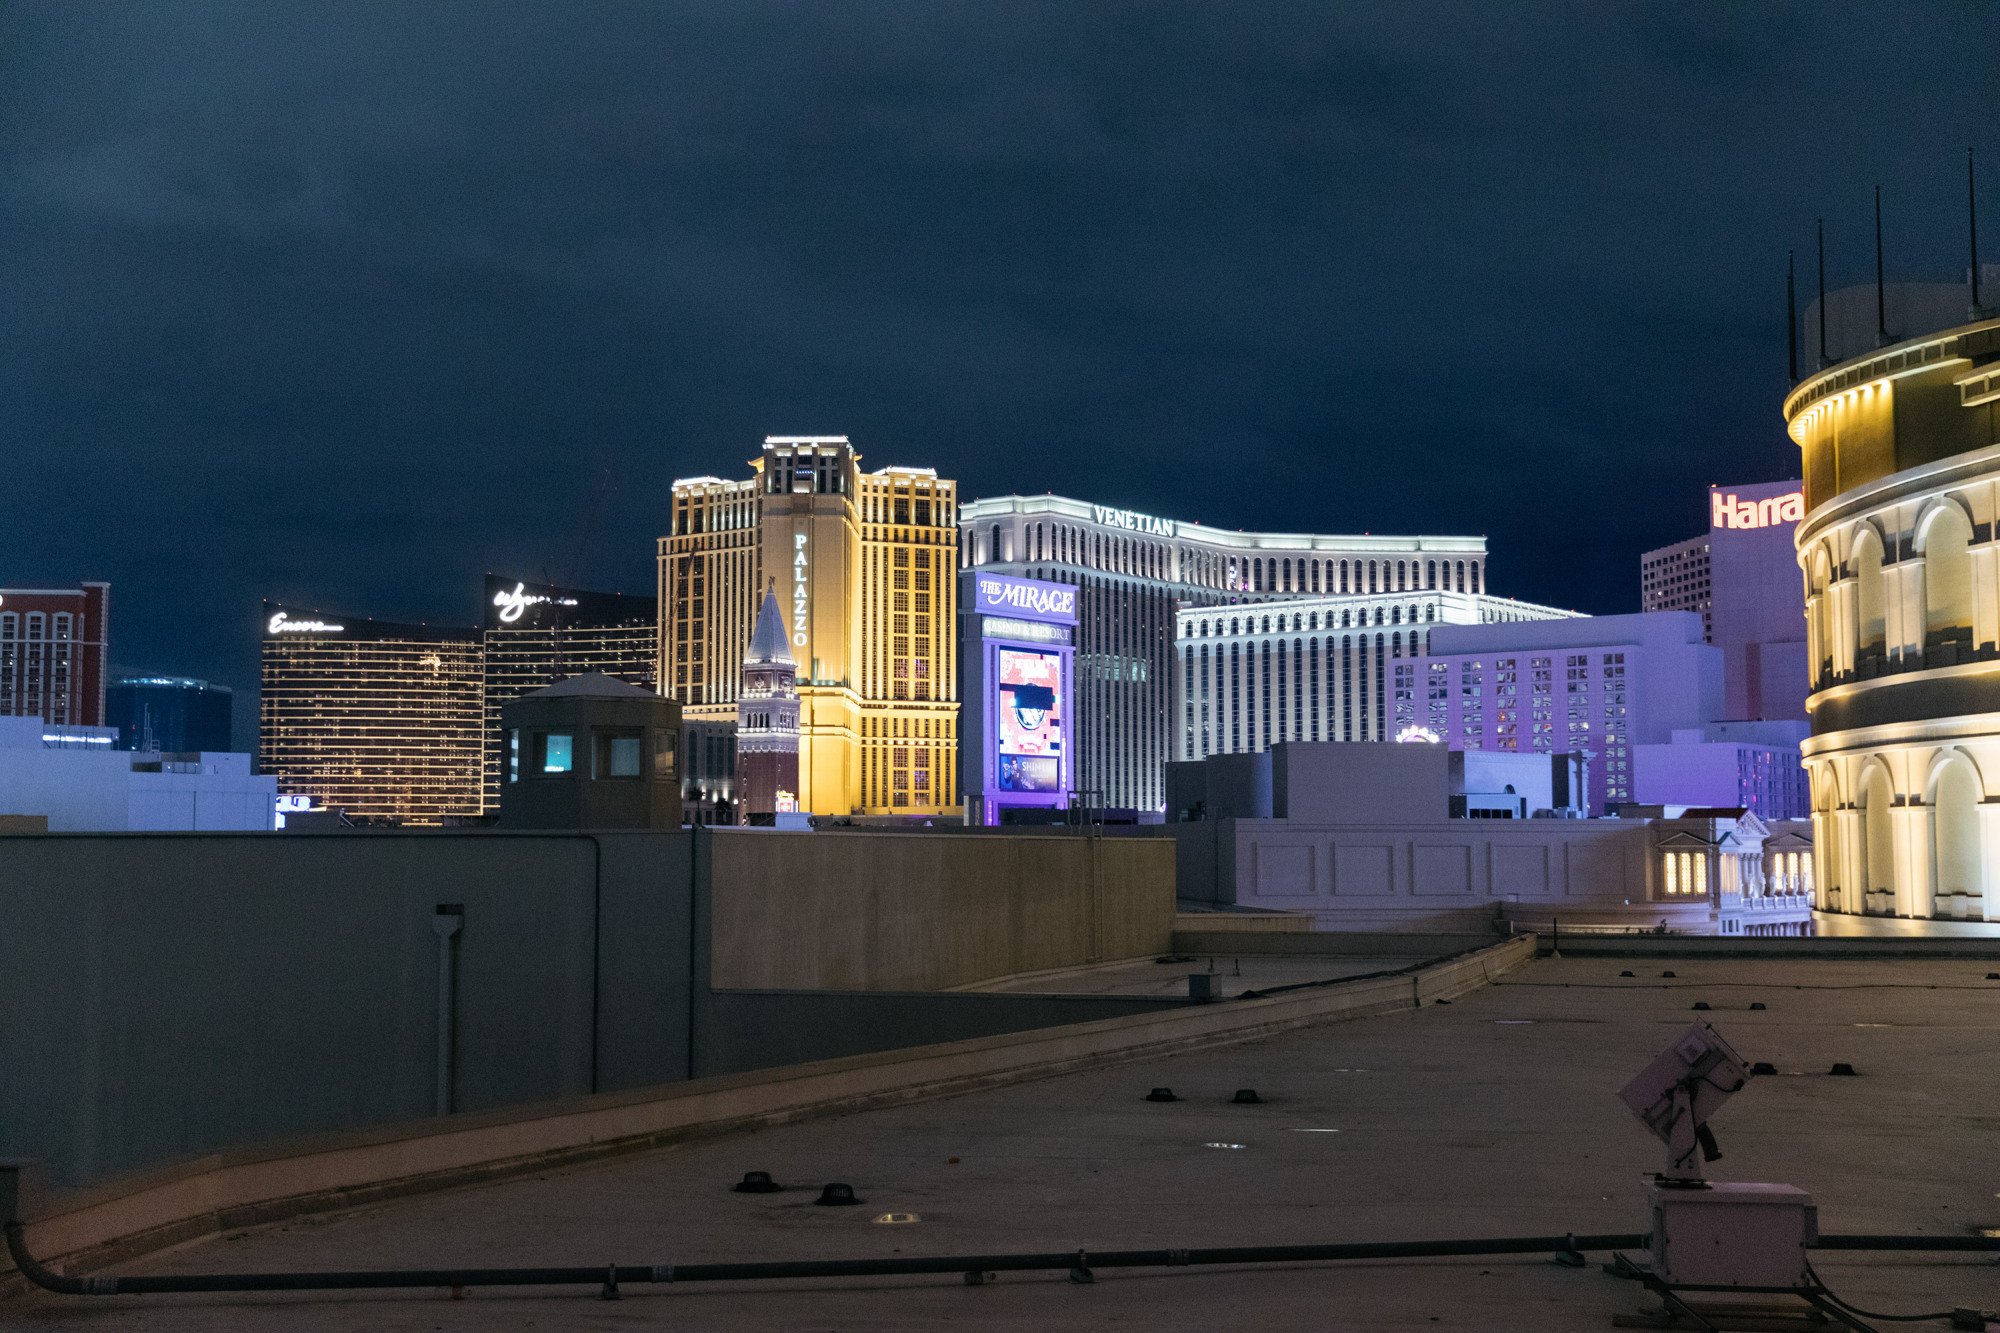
[1726, 1235]
[1675, 1095]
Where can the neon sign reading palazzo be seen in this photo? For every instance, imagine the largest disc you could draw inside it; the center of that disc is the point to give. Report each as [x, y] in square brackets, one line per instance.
[800, 568]
[1726, 511]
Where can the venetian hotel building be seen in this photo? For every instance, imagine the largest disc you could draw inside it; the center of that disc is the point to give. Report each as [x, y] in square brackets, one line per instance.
[1136, 572]
[1900, 551]
[862, 565]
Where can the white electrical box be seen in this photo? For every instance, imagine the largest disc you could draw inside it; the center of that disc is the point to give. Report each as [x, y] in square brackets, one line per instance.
[1733, 1235]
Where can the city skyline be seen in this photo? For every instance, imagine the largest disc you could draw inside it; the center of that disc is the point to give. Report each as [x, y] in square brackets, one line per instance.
[463, 323]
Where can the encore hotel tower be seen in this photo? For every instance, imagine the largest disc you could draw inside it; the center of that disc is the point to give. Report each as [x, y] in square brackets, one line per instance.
[862, 564]
[378, 720]
[1900, 548]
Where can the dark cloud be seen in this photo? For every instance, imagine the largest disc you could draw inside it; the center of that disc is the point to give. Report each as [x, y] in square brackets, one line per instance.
[344, 302]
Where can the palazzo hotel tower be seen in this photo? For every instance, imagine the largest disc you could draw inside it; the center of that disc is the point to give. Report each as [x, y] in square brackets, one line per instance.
[862, 565]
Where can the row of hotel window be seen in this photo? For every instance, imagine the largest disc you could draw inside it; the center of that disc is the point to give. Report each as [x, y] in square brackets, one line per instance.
[37, 625]
[1685, 874]
[1150, 559]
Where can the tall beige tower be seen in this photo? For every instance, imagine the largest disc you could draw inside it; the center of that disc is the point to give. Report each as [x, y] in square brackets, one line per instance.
[862, 564]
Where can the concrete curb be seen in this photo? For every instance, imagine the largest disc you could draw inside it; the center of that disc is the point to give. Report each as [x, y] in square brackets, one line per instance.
[135, 1215]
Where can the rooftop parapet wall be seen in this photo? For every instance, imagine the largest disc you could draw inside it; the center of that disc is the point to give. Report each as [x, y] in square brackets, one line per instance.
[164, 995]
[930, 911]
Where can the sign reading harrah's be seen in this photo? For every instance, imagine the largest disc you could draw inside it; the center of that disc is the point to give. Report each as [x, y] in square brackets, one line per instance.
[1028, 599]
[1726, 511]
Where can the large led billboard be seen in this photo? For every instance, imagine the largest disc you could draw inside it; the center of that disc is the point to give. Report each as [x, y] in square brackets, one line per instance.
[1031, 721]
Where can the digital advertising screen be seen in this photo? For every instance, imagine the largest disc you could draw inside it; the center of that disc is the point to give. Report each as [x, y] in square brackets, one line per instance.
[1031, 722]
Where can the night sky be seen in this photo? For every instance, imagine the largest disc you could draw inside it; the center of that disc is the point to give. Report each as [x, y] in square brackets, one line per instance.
[342, 304]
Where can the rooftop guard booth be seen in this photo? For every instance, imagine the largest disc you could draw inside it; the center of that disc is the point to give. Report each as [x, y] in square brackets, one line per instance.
[1017, 658]
[591, 752]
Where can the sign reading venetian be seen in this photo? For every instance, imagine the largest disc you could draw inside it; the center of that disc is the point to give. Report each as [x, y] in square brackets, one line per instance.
[1726, 511]
[284, 624]
[1133, 521]
[1029, 599]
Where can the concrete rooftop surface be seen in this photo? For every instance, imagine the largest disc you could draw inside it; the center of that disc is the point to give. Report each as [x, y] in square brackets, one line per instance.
[1494, 1115]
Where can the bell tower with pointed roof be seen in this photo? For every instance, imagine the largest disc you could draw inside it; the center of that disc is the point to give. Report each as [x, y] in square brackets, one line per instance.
[767, 718]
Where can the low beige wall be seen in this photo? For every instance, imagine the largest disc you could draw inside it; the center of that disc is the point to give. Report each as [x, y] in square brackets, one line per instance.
[929, 911]
[122, 1219]
[1241, 923]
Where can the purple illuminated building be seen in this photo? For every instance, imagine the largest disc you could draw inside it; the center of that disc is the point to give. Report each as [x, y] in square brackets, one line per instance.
[1742, 576]
[1018, 720]
[1598, 685]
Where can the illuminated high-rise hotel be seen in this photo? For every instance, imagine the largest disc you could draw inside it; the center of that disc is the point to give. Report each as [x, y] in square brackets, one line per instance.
[537, 635]
[1135, 573]
[863, 566]
[380, 721]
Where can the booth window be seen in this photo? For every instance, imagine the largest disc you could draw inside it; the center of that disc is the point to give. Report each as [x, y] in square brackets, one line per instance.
[664, 743]
[514, 755]
[618, 754]
[556, 752]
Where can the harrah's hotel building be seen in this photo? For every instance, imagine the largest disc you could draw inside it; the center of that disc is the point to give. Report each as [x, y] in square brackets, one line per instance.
[863, 568]
[1134, 572]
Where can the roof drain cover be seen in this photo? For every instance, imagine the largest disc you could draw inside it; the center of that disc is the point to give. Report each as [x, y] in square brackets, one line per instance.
[1162, 1095]
[1246, 1097]
[837, 1195]
[756, 1182]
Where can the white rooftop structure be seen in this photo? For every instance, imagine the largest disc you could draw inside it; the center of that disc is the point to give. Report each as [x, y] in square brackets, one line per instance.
[78, 779]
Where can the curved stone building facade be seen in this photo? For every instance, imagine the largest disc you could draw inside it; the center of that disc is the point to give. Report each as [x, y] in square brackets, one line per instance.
[1898, 548]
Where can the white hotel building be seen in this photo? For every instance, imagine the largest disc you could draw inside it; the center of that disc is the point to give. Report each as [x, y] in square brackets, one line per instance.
[1137, 575]
[1316, 669]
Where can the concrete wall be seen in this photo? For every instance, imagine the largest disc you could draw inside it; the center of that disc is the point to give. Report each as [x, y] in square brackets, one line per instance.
[1447, 875]
[166, 995]
[1359, 782]
[929, 911]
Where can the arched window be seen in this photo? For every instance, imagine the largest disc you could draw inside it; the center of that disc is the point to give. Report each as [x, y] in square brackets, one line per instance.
[1878, 851]
[1871, 601]
[1956, 849]
[1943, 540]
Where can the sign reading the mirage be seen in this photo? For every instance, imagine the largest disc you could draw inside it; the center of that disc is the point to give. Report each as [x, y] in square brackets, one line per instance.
[1024, 599]
[1133, 521]
[1726, 511]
